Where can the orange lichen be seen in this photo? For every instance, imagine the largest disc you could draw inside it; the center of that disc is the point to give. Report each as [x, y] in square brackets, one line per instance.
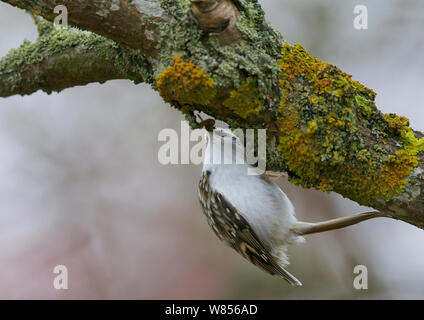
[331, 132]
[185, 83]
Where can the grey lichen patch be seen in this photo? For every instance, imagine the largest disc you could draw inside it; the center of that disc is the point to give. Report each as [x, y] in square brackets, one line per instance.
[104, 10]
[151, 8]
[115, 6]
[414, 188]
[418, 172]
[415, 192]
[150, 35]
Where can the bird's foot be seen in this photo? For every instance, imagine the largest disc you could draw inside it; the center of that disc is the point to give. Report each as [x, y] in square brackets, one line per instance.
[276, 175]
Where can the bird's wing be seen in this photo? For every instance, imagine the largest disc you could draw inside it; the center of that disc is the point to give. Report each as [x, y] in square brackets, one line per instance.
[238, 233]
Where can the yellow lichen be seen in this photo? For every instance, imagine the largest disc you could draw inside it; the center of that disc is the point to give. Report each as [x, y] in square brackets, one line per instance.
[325, 77]
[396, 124]
[406, 158]
[247, 100]
[331, 132]
[185, 83]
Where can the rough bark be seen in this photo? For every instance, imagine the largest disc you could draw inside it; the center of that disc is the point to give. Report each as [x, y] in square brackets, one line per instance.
[323, 128]
[132, 23]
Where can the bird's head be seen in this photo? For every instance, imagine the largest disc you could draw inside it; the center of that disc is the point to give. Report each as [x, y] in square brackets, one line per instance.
[223, 147]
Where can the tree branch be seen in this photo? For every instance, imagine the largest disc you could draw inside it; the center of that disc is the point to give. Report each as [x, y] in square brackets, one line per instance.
[133, 23]
[323, 127]
[63, 58]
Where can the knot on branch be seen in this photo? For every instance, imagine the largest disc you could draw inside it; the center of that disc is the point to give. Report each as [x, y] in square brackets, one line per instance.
[218, 18]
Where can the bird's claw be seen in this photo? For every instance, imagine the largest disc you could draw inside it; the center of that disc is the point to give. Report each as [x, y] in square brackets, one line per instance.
[276, 175]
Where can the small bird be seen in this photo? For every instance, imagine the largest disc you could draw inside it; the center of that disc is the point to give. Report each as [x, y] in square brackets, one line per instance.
[250, 213]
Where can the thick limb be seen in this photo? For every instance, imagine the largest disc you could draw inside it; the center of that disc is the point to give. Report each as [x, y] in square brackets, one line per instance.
[63, 58]
[324, 128]
[128, 22]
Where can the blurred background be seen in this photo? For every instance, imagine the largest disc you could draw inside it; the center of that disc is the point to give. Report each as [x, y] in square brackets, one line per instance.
[80, 183]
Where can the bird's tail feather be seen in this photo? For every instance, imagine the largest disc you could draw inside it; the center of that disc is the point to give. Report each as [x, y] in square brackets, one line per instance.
[288, 277]
[303, 228]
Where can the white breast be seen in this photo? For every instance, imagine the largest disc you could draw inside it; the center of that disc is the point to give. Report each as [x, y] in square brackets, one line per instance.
[261, 202]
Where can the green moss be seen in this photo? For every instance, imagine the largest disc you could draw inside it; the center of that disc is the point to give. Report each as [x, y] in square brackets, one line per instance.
[247, 100]
[332, 133]
[57, 42]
